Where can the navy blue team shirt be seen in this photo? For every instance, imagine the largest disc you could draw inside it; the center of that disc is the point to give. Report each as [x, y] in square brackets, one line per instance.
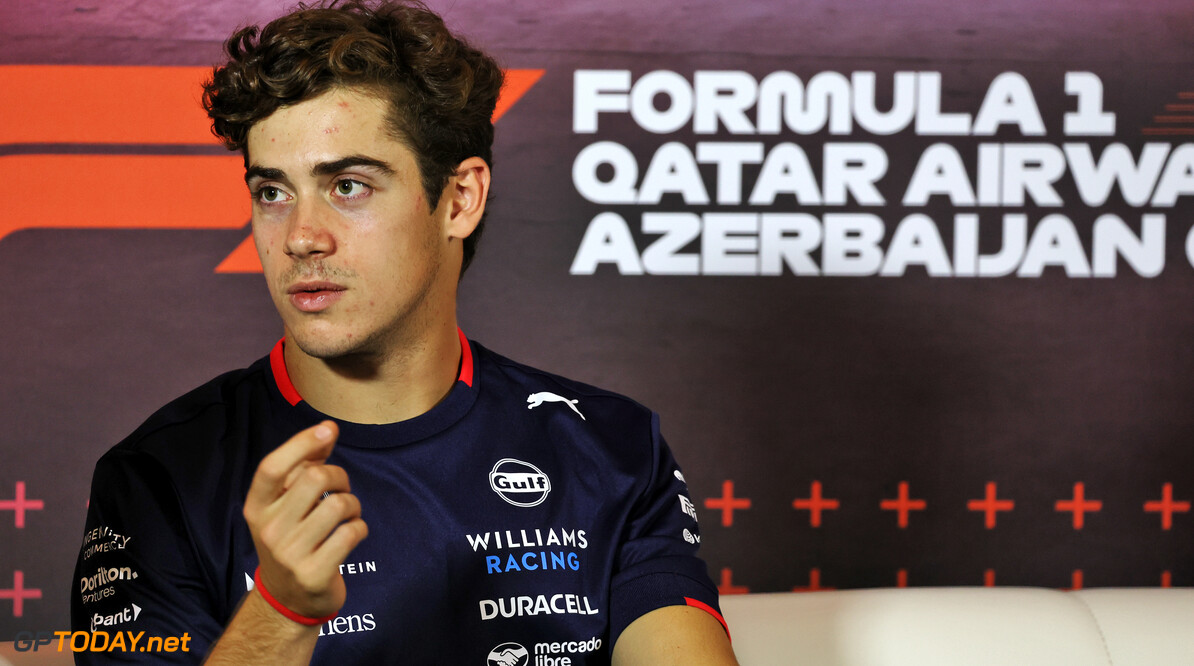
[523, 520]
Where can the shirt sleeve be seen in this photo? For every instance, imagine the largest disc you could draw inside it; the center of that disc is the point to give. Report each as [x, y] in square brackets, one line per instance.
[137, 575]
[657, 564]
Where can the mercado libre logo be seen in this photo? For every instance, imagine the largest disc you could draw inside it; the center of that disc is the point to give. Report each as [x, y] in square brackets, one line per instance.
[65, 119]
[508, 654]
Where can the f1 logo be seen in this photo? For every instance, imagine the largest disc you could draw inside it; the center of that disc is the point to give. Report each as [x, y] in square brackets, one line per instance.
[136, 161]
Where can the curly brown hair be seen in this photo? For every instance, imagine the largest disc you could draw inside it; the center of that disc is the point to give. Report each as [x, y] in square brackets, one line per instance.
[441, 91]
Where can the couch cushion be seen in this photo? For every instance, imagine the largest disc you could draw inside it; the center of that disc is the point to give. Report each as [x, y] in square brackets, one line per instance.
[916, 627]
[1144, 627]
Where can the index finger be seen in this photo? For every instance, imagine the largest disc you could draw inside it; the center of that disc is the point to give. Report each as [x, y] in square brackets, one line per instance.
[313, 444]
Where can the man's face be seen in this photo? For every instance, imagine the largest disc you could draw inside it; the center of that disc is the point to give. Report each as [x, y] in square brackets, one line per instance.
[354, 258]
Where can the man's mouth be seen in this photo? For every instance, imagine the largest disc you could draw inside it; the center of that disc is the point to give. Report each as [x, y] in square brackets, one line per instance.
[315, 296]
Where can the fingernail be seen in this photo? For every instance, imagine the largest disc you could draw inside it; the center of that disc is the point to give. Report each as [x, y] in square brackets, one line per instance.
[322, 433]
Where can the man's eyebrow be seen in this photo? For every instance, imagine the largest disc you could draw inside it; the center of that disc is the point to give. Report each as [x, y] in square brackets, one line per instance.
[264, 173]
[327, 168]
[321, 169]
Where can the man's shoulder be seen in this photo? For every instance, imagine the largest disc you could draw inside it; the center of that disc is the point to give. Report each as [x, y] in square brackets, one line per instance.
[201, 417]
[535, 387]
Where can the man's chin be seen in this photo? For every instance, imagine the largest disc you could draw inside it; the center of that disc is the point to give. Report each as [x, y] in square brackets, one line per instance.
[328, 348]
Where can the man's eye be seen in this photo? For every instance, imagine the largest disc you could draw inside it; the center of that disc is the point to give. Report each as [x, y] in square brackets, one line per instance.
[348, 188]
[270, 194]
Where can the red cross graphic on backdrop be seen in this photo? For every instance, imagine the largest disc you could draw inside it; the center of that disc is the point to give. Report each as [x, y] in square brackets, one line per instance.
[727, 586]
[1079, 505]
[814, 582]
[19, 593]
[815, 505]
[902, 504]
[727, 503]
[989, 505]
[20, 505]
[1166, 506]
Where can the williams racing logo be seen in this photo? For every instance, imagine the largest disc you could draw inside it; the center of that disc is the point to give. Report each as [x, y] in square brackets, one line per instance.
[519, 483]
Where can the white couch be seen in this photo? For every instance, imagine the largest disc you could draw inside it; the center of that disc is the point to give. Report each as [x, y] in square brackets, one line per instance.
[964, 627]
[937, 627]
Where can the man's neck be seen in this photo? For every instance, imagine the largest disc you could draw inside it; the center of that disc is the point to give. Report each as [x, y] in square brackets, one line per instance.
[400, 383]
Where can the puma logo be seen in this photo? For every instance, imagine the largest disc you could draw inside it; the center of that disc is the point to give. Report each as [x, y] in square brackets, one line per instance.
[536, 399]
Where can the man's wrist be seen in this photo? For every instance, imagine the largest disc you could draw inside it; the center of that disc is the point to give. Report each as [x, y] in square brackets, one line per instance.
[259, 634]
[281, 608]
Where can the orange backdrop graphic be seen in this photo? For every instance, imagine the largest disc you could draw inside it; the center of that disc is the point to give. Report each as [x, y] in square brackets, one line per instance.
[89, 105]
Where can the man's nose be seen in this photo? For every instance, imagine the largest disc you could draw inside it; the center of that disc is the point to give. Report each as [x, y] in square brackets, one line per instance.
[310, 233]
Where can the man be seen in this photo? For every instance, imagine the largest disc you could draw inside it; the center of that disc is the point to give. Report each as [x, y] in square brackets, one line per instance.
[511, 516]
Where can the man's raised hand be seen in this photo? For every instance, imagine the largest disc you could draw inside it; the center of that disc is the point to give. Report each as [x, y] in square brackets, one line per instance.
[302, 536]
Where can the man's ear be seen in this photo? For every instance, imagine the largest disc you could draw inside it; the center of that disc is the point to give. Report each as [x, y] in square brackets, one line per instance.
[466, 194]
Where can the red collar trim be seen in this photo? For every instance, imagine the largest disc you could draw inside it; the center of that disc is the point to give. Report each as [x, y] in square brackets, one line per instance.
[466, 360]
[277, 364]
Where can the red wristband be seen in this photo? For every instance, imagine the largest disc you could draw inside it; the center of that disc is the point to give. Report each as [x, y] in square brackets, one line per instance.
[289, 614]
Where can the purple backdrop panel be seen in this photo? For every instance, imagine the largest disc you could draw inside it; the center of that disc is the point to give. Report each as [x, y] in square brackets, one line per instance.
[904, 322]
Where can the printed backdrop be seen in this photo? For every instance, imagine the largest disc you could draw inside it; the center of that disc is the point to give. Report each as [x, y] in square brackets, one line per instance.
[908, 282]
